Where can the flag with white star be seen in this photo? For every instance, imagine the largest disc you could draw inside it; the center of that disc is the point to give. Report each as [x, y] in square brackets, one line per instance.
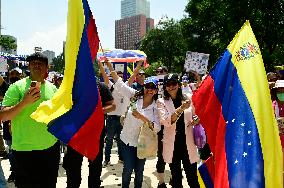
[234, 106]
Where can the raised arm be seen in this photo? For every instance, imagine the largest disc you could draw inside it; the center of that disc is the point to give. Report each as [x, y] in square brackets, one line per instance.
[103, 72]
[135, 72]
[114, 75]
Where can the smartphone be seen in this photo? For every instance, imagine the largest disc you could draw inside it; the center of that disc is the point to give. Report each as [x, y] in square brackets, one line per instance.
[35, 84]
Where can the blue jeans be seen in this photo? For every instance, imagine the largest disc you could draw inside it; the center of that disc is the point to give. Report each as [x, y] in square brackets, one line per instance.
[113, 129]
[130, 163]
[3, 183]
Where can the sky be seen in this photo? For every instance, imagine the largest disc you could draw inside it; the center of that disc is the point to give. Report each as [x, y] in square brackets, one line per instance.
[43, 22]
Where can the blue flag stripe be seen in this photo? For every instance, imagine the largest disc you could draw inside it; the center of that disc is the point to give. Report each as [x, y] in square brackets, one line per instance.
[243, 148]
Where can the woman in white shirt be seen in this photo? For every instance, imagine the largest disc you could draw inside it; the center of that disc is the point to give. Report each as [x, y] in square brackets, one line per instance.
[145, 110]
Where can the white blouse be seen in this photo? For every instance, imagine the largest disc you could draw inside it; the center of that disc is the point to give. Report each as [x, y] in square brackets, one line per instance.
[120, 101]
[131, 129]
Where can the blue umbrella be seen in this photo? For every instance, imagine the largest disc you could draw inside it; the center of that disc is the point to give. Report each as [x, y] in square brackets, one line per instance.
[123, 55]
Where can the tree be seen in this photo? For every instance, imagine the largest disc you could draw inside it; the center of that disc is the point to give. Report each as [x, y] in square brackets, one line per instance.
[165, 44]
[211, 25]
[59, 63]
[7, 42]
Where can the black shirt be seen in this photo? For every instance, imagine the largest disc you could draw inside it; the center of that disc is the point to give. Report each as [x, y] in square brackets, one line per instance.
[105, 93]
[6, 132]
[3, 88]
[180, 122]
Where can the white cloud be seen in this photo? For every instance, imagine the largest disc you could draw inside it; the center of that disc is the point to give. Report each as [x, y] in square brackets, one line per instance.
[49, 40]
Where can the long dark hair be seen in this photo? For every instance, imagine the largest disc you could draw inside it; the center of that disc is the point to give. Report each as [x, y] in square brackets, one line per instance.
[140, 94]
[180, 96]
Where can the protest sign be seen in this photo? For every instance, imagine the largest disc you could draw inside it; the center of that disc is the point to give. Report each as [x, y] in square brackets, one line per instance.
[196, 62]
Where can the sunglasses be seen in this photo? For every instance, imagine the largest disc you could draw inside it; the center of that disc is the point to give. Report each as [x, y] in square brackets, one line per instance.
[141, 74]
[159, 71]
[150, 86]
[169, 84]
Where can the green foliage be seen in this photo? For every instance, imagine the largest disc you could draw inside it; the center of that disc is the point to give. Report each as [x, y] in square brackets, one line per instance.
[59, 63]
[211, 25]
[7, 43]
[165, 44]
[151, 70]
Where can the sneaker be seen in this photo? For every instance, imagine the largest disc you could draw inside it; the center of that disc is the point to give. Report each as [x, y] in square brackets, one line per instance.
[163, 185]
[106, 163]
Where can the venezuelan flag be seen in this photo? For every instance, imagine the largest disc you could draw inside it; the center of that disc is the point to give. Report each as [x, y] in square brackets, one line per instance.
[234, 106]
[205, 173]
[74, 115]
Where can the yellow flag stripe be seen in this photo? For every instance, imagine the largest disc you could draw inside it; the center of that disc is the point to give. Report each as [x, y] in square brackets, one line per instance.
[62, 100]
[251, 73]
[200, 180]
[129, 70]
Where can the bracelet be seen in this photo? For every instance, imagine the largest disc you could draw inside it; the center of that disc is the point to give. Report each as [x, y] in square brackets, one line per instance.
[178, 114]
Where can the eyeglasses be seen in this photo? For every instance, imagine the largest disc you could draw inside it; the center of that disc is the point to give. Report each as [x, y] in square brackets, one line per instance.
[150, 86]
[141, 74]
[169, 84]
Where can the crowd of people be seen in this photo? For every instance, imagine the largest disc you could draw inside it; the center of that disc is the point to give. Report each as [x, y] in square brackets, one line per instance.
[163, 101]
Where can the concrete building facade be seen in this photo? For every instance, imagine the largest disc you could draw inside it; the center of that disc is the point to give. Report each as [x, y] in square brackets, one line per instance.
[133, 25]
[50, 55]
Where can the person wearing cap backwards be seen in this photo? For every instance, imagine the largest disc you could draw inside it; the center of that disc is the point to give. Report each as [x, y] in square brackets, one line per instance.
[176, 114]
[36, 151]
[143, 109]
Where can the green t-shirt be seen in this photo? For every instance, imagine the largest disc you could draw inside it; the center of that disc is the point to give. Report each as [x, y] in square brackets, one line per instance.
[28, 134]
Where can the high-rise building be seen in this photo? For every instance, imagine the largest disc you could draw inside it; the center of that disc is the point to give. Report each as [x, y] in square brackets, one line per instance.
[135, 7]
[134, 24]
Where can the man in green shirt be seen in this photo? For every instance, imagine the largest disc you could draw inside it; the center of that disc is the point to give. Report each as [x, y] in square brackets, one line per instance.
[36, 151]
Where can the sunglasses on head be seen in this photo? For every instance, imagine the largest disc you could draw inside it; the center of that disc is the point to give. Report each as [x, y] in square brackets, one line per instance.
[169, 84]
[150, 86]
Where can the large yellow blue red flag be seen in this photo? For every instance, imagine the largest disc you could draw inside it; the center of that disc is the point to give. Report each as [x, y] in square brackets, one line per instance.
[74, 115]
[234, 105]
